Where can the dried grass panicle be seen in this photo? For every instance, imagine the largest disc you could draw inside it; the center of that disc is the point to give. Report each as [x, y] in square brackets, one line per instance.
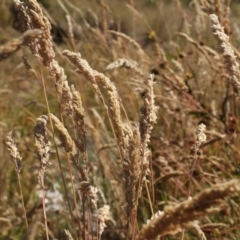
[155, 215]
[86, 188]
[58, 75]
[31, 14]
[81, 65]
[97, 78]
[128, 138]
[231, 63]
[137, 168]
[41, 141]
[13, 152]
[124, 133]
[201, 138]
[148, 112]
[67, 99]
[178, 216]
[66, 139]
[123, 62]
[103, 216]
[132, 163]
[15, 44]
[69, 145]
[17, 160]
[147, 119]
[78, 118]
[93, 195]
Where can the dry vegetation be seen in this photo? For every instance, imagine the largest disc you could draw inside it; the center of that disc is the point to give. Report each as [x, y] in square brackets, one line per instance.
[119, 119]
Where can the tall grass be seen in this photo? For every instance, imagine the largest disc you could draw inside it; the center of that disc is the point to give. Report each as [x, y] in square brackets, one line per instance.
[135, 127]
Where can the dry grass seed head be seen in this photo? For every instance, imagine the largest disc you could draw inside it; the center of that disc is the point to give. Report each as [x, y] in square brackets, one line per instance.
[103, 216]
[125, 135]
[201, 138]
[97, 78]
[66, 139]
[147, 119]
[226, 49]
[67, 99]
[148, 112]
[41, 141]
[13, 152]
[31, 14]
[86, 188]
[69, 145]
[178, 216]
[132, 168]
[78, 118]
[15, 44]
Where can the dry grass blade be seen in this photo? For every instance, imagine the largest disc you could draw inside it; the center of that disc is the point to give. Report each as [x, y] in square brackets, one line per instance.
[15, 44]
[178, 216]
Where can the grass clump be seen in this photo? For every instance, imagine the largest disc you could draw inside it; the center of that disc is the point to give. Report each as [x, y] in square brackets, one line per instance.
[138, 130]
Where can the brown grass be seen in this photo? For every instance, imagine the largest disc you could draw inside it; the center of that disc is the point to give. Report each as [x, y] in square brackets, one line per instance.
[143, 125]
